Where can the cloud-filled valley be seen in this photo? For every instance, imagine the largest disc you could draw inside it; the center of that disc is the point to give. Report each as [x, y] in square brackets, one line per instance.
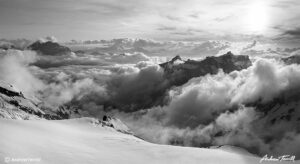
[250, 107]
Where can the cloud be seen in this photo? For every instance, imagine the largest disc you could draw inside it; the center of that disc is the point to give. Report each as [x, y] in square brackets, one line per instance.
[224, 18]
[289, 144]
[166, 28]
[52, 87]
[191, 49]
[90, 59]
[15, 69]
[216, 110]
[129, 58]
[210, 48]
[197, 101]
[49, 39]
[133, 18]
[183, 33]
[20, 44]
[295, 33]
[196, 14]
[113, 9]
[103, 86]
[64, 90]
[146, 88]
[263, 84]
[288, 34]
[253, 44]
[173, 18]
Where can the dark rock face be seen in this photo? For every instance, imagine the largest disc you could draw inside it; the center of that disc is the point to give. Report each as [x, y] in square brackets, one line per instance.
[62, 112]
[291, 60]
[49, 48]
[13, 104]
[179, 74]
[10, 93]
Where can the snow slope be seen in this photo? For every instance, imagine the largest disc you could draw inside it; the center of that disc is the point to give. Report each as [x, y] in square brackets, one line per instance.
[14, 105]
[85, 141]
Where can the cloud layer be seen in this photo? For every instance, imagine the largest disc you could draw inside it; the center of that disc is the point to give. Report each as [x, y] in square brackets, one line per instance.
[215, 110]
[234, 108]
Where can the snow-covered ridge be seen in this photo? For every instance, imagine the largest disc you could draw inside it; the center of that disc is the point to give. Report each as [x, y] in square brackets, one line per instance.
[14, 105]
[85, 140]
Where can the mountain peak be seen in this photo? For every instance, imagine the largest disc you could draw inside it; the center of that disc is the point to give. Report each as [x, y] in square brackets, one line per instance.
[176, 60]
[180, 72]
[177, 57]
[229, 53]
[49, 48]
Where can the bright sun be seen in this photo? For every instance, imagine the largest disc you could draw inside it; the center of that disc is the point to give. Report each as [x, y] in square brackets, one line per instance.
[256, 19]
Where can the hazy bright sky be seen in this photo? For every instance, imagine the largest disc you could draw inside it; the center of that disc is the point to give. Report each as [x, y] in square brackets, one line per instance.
[155, 19]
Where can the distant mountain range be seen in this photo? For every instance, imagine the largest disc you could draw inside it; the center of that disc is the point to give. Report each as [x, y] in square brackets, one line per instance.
[177, 72]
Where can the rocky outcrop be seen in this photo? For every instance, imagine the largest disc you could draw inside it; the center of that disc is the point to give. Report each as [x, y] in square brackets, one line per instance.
[116, 124]
[13, 104]
[292, 59]
[49, 48]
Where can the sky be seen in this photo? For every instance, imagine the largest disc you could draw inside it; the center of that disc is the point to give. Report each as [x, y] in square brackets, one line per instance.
[155, 19]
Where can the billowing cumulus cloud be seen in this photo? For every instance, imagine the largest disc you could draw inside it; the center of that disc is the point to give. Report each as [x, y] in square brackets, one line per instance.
[15, 69]
[145, 87]
[215, 110]
[48, 39]
[65, 90]
[17, 43]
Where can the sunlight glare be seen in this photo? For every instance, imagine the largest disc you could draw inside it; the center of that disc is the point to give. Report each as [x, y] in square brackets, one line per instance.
[257, 17]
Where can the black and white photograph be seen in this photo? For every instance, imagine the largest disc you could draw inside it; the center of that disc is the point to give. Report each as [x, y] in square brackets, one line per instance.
[149, 81]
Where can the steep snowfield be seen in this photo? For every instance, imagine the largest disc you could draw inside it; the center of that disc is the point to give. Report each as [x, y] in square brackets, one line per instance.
[85, 141]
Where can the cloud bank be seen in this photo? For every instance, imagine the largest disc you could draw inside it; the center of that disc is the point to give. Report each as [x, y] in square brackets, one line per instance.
[216, 110]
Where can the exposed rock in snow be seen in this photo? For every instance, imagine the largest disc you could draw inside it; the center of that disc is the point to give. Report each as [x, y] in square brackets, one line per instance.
[116, 124]
[14, 105]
